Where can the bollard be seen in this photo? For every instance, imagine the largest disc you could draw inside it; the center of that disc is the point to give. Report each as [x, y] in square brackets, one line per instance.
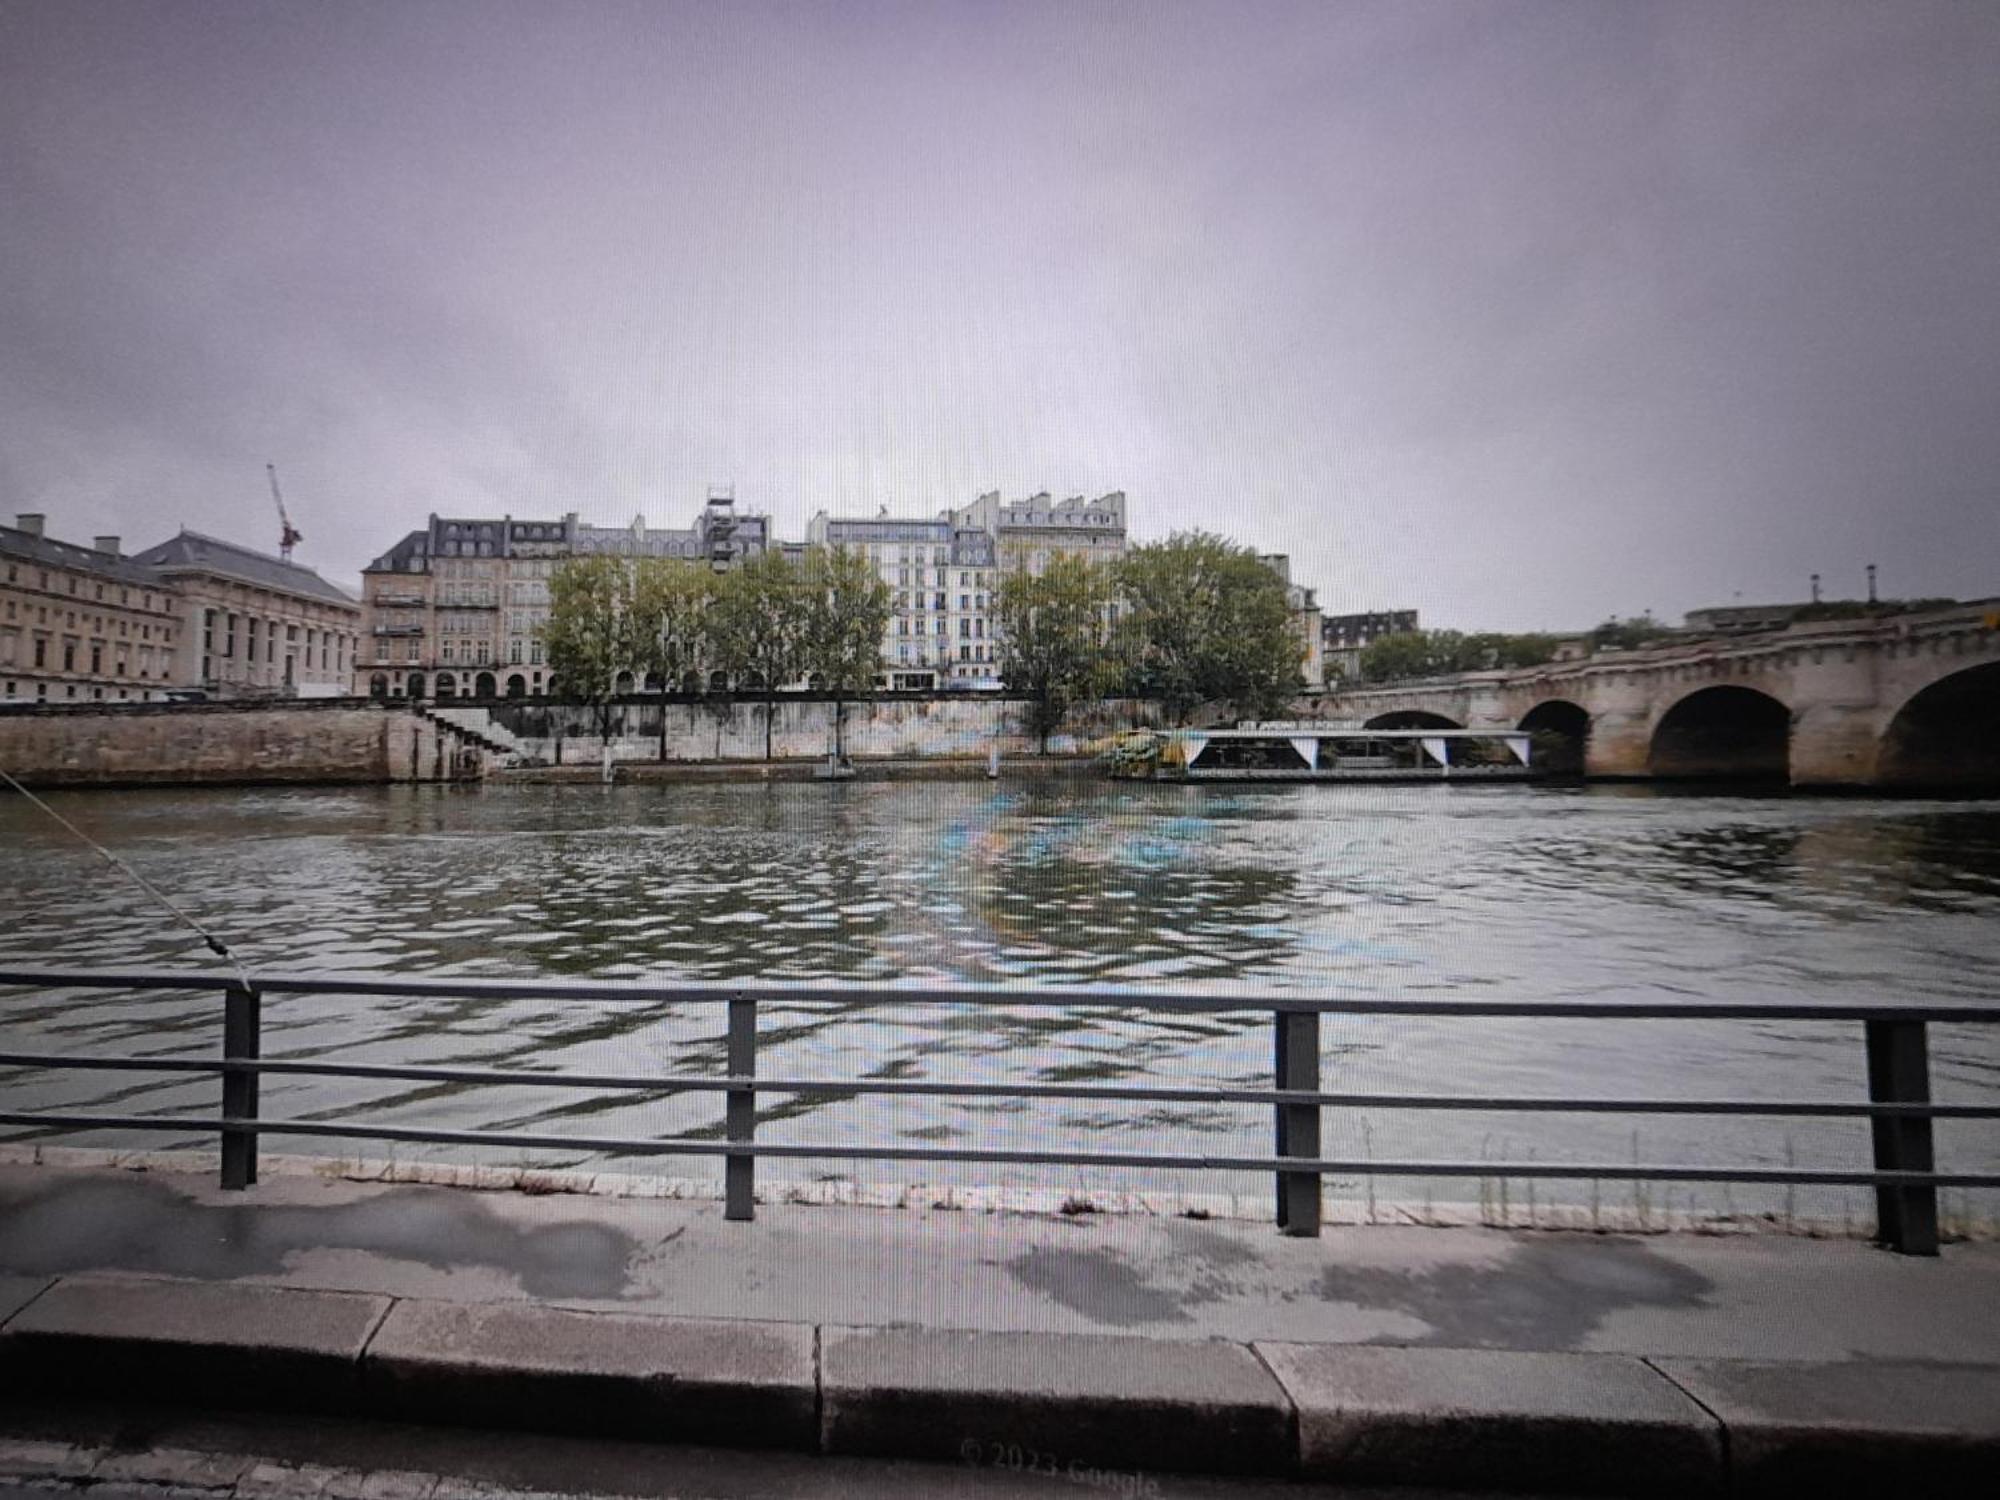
[1295, 1065]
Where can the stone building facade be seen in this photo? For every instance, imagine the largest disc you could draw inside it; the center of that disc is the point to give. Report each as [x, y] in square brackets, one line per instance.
[455, 610]
[1344, 637]
[1303, 604]
[254, 625]
[83, 624]
[943, 573]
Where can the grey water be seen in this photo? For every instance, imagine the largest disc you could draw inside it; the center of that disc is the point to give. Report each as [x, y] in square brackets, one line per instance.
[1519, 892]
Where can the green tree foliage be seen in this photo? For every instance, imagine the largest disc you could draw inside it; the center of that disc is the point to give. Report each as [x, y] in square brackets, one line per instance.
[669, 624]
[1207, 621]
[1055, 639]
[1440, 653]
[757, 628]
[846, 612]
[587, 635]
[1407, 653]
[1624, 635]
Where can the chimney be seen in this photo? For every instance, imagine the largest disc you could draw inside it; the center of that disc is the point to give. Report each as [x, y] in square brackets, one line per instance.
[29, 521]
[108, 545]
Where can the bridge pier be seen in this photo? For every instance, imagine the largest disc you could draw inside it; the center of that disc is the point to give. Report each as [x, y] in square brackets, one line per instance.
[1834, 745]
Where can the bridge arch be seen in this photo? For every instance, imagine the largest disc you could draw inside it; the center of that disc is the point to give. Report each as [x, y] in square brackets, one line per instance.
[1723, 733]
[1411, 718]
[1560, 735]
[1946, 737]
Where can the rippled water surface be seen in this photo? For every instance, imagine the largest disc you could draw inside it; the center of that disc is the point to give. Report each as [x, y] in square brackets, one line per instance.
[1512, 892]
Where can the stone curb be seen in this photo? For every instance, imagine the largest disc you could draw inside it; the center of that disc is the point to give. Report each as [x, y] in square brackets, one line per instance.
[729, 1384]
[1077, 1403]
[1088, 1400]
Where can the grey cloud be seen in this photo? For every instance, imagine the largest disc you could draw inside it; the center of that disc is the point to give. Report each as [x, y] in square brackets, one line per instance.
[1523, 313]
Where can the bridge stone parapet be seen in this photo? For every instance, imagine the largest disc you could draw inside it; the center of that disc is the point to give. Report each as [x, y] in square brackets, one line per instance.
[1906, 701]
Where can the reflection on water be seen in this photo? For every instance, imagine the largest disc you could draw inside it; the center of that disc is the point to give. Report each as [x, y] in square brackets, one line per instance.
[1522, 892]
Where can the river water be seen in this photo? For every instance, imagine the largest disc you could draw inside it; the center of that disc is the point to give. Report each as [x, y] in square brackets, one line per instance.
[1503, 891]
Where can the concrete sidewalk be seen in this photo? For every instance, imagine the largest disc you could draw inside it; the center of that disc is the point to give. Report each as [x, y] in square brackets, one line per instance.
[1101, 1344]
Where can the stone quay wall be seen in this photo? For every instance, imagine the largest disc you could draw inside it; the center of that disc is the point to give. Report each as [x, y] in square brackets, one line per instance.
[195, 744]
[887, 726]
[362, 741]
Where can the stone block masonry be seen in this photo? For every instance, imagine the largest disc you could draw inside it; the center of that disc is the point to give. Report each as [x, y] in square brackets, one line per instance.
[225, 745]
[876, 727]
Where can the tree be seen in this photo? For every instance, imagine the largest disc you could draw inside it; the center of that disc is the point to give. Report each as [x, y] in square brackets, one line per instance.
[846, 612]
[1055, 639]
[1624, 635]
[1441, 653]
[669, 624]
[757, 627]
[1391, 658]
[587, 633]
[1208, 621]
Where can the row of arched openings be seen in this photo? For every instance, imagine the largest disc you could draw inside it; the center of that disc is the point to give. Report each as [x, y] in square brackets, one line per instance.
[1945, 738]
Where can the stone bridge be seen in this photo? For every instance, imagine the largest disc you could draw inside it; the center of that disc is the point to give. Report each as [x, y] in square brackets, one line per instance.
[1904, 701]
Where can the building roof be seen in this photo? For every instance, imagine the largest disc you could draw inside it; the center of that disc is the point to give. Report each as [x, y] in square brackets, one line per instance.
[192, 552]
[50, 553]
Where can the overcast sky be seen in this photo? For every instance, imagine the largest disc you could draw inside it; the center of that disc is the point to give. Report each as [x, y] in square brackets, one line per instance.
[1523, 314]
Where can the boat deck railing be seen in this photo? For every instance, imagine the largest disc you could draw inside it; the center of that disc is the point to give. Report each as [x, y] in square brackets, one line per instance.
[1892, 1060]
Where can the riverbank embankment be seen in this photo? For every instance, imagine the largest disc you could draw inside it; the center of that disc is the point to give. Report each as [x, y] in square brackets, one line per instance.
[939, 768]
[333, 741]
[364, 741]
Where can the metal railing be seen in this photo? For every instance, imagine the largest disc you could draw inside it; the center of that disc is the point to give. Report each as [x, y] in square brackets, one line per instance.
[1898, 1106]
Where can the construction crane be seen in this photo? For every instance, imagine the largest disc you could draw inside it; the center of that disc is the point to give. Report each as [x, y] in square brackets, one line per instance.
[288, 534]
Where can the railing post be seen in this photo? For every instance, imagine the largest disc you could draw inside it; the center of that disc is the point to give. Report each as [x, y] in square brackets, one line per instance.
[1295, 1058]
[739, 1173]
[242, 1025]
[1899, 1073]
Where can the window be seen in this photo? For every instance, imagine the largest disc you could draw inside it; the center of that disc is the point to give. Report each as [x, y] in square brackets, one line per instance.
[69, 656]
[96, 660]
